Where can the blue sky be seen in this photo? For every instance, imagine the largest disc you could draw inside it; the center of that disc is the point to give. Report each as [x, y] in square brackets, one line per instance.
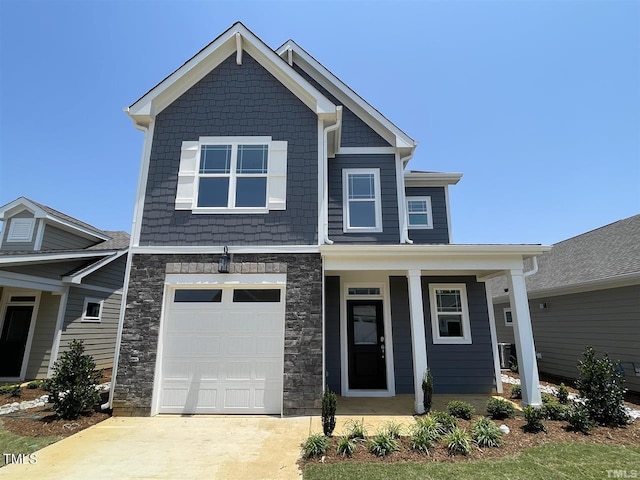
[537, 103]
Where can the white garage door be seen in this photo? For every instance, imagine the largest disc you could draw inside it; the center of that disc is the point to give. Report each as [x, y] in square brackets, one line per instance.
[223, 350]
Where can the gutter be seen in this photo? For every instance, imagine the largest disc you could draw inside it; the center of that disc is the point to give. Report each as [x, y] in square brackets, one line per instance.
[325, 169]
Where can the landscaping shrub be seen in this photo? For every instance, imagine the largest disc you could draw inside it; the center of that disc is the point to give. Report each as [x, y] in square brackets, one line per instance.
[516, 391]
[34, 384]
[394, 429]
[423, 434]
[460, 409]
[457, 442]
[11, 390]
[547, 398]
[73, 385]
[485, 433]
[534, 417]
[346, 446]
[499, 408]
[429, 424]
[562, 394]
[556, 411]
[601, 384]
[382, 444]
[579, 419]
[427, 390]
[445, 422]
[356, 429]
[315, 446]
[329, 404]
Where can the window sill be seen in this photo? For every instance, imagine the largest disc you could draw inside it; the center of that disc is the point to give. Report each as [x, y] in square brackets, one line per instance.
[362, 230]
[90, 320]
[235, 211]
[420, 227]
[452, 341]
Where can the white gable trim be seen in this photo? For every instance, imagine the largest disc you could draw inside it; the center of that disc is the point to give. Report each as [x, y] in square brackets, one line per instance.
[78, 276]
[169, 89]
[372, 117]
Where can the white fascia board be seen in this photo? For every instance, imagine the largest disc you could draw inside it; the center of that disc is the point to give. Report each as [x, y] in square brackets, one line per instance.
[351, 99]
[78, 276]
[20, 280]
[51, 257]
[195, 249]
[428, 179]
[169, 89]
[439, 249]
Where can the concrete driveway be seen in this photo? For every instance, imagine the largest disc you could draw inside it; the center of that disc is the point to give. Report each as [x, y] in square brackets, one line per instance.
[207, 447]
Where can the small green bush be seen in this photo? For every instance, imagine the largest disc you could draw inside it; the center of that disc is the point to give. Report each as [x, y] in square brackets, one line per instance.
[34, 384]
[547, 398]
[562, 394]
[429, 424]
[346, 446]
[556, 411]
[601, 384]
[457, 442]
[513, 364]
[356, 429]
[534, 417]
[485, 433]
[460, 409]
[329, 404]
[579, 420]
[427, 390]
[315, 446]
[423, 435]
[445, 422]
[73, 384]
[516, 391]
[499, 408]
[394, 429]
[382, 444]
[11, 390]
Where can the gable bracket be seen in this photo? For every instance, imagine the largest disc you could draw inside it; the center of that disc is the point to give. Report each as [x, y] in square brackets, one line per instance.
[238, 48]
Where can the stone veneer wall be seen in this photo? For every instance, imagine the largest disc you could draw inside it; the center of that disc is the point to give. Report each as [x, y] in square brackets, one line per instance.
[303, 376]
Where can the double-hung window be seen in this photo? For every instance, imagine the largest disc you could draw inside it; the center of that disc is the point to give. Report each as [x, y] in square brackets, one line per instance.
[232, 175]
[449, 314]
[362, 211]
[419, 212]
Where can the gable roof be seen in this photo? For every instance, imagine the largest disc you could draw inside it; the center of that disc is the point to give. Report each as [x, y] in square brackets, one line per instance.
[236, 39]
[606, 256]
[53, 216]
[354, 102]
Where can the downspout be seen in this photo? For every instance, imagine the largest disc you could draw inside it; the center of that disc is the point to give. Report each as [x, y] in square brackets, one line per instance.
[325, 170]
[534, 270]
[404, 234]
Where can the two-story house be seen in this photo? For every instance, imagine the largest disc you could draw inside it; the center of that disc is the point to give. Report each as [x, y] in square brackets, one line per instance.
[60, 279]
[281, 244]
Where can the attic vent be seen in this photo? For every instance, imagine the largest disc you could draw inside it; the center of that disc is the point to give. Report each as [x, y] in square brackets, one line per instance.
[21, 229]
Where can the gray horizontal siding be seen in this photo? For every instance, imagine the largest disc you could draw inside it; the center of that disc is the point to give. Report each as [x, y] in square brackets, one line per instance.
[462, 368]
[607, 320]
[109, 276]
[47, 270]
[332, 333]
[57, 239]
[401, 327]
[43, 335]
[440, 231]
[388, 191]
[234, 100]
[19, 245]
[355, 132]
[99, 338]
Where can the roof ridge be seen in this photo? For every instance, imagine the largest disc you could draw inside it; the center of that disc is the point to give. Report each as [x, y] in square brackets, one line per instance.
[609, 225]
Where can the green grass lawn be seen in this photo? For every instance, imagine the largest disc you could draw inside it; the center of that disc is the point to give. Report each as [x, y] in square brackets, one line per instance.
[16, 444]
[559, 460]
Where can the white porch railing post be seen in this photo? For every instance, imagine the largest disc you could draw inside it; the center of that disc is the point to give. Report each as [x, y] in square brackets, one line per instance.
[523, 333]
[418, 339]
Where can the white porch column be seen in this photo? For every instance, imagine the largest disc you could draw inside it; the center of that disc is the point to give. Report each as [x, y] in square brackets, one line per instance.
[523, 333]
[418, 339]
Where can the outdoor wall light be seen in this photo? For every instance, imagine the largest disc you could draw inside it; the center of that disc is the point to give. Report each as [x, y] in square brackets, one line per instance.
[225, 261]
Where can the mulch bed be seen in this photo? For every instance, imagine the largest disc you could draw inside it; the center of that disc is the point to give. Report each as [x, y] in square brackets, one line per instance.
[42, 422]
[514, 443]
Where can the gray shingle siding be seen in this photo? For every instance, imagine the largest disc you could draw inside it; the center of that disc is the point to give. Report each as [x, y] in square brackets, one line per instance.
[234, 100]
[355, 132]
[440, 231]
[462, 368]
[388, 190]
[332, 332]
[401, 327]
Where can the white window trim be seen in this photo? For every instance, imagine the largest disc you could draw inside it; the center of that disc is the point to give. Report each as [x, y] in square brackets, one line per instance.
[85, 318]
[13, 223]
[466, 339]
[504, 313]
[346, 221]
[429, 213]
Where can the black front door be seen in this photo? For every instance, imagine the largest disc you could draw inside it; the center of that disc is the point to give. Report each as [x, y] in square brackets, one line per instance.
[365, 332]
[13, 339]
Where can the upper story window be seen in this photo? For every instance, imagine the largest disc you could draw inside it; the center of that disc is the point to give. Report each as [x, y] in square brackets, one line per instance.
[21, 229]
[232, 175]
[362, 210]
[419, 212]
[449, 314]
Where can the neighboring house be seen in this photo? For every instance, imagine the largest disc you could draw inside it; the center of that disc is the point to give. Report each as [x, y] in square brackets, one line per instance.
[280, 244]
[586, 292]
[60, 279]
